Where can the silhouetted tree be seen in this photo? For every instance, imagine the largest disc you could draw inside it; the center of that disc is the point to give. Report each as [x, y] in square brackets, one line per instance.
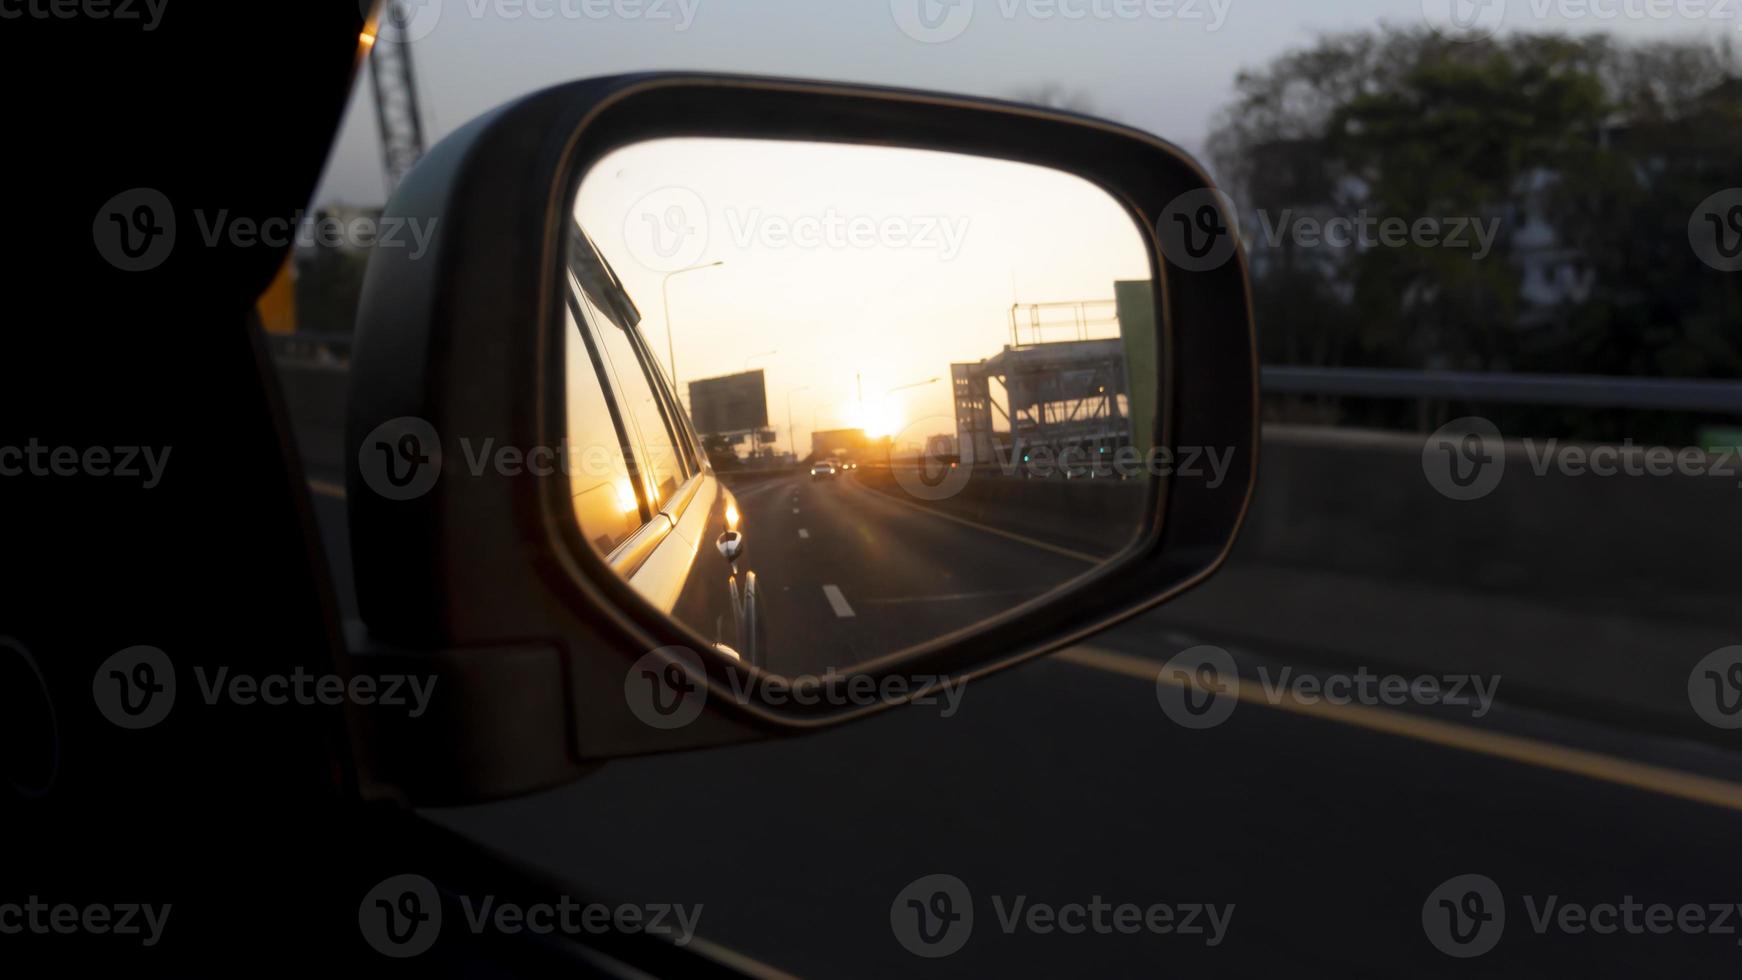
[1603, 149]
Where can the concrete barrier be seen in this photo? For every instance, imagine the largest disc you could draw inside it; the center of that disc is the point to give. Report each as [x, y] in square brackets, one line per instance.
[1360, 503]
[1587, 595]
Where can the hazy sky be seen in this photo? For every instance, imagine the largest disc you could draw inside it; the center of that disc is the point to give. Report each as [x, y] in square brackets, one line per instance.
[1166, 66]
[848, 261]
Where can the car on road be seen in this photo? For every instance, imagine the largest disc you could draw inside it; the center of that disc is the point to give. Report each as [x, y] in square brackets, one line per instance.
[824, 470]
[655, 505]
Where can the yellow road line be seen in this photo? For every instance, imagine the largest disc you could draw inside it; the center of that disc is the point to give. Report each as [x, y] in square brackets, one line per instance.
[976, 525]
[1514, 748]
[326, 489]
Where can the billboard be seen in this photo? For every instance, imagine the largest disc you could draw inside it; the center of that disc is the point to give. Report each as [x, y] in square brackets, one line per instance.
[734, 403]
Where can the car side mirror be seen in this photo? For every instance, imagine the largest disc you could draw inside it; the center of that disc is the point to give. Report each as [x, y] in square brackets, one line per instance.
[548, 423]
[731, 545]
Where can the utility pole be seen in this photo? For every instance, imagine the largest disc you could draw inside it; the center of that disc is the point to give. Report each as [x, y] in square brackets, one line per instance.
[665, 295]
[792, 433]
[916, 384]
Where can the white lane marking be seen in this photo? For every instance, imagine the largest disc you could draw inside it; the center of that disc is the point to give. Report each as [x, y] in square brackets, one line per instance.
[803, 534]
[795, 510]
[838, 601]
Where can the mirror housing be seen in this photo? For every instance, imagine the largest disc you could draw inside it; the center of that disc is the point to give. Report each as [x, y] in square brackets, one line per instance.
[476, 579]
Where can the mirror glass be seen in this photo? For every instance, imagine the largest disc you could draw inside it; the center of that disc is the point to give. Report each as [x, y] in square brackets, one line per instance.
[827, 401]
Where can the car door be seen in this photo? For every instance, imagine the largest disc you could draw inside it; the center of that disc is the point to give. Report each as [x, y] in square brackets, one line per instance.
[674, 495]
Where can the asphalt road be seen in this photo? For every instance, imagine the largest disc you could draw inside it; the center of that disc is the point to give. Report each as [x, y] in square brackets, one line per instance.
[1064, 783]
[848, 574]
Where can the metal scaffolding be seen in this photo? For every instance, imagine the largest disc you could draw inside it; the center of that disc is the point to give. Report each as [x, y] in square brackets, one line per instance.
[1060, 395]
[396, 105]
[1083, 318]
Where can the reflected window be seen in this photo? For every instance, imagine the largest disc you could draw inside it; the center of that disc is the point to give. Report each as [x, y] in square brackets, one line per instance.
[662, 467]
[600, 483]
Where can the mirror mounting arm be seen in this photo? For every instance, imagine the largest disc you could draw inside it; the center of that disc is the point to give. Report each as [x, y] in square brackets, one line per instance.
[459, 725]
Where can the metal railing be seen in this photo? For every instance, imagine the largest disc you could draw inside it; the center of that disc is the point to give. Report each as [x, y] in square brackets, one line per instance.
[1588, 391]
[1575, 390]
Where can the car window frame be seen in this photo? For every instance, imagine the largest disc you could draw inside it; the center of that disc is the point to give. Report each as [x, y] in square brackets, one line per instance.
[665, 387]
[597, 289]
[646, 468]
[684, 438]
[619, 420]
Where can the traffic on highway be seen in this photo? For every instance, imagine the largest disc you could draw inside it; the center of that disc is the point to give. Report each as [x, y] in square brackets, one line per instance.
[907, 510]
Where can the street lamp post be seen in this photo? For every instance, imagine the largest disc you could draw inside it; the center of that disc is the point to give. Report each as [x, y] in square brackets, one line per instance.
[792, 433]
[665, 294]
[916, 384]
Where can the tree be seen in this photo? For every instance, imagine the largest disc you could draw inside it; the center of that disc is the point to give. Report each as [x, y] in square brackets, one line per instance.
[329, 286]
[1585, 152]
[1052, 95]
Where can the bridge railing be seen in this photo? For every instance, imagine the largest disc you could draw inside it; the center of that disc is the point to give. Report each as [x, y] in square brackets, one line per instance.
[1574, 390]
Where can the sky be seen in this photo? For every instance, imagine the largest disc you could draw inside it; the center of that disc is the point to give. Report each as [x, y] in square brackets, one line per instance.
[1165, 66]
[848, 269]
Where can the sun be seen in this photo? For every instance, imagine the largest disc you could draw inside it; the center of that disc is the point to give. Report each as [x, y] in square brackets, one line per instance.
[879, 420]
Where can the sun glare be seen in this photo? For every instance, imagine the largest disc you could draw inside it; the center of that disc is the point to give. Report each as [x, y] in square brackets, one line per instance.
[878, 420]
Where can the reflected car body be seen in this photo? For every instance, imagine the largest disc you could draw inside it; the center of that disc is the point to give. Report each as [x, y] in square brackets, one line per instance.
[670, 506]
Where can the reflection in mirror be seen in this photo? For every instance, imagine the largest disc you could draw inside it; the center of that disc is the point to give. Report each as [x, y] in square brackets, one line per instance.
[827, 402]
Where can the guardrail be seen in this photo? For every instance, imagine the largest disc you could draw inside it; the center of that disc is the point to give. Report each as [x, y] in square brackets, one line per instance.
[1584, 391]
[1574, 390]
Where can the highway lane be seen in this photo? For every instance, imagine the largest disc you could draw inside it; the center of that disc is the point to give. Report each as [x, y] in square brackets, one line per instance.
[1061, 781]
[848, 574]
[895, 574]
